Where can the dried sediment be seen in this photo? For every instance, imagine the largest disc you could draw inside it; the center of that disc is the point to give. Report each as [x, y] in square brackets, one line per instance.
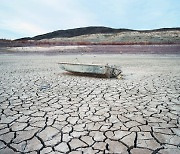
[45, 111]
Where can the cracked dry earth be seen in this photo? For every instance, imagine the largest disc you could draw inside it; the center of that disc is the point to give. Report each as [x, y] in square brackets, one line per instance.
[45, 111]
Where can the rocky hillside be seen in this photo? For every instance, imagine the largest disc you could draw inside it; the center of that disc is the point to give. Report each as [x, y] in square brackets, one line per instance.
[99, 36]
[127, 37]
[105, 35]
[77, 32]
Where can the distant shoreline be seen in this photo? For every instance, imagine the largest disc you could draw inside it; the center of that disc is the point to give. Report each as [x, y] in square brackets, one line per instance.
[99, 49]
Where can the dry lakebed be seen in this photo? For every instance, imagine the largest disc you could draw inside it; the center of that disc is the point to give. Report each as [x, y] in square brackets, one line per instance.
[44, 110]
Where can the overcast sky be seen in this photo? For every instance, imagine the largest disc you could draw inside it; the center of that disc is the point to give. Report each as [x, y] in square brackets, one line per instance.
[23, 18]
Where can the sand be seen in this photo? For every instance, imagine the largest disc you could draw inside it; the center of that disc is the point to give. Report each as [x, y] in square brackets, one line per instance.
[45, 110]
[44, 49]
[98, 49]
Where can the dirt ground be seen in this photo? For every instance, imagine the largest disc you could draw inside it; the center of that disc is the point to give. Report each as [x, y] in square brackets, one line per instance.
[44, 110]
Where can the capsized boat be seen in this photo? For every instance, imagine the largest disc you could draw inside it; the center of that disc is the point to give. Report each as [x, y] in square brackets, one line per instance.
[92, 69]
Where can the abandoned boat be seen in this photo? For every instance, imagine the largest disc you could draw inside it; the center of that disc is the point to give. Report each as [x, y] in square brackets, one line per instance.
[102, 70]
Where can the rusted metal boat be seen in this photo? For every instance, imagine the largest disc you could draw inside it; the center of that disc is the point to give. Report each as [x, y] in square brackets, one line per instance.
[91, 69]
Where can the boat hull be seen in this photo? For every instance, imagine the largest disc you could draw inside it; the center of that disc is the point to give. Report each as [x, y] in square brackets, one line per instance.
[107, 71]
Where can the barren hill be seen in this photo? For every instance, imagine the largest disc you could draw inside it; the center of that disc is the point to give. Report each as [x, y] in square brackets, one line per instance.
[77, 32]
[99, 36]
[108, 35]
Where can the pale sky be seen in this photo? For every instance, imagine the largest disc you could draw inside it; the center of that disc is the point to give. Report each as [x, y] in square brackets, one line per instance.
[26, 18]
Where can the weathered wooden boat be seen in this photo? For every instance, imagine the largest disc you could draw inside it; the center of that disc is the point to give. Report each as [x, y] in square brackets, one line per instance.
[101, 70]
